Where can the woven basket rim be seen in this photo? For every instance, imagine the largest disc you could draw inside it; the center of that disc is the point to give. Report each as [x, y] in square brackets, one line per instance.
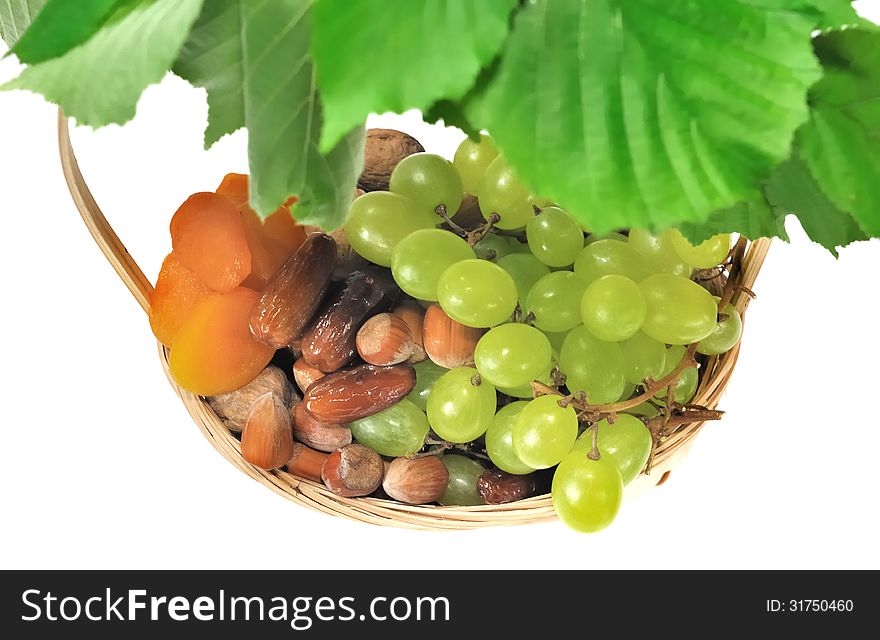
[315, 496]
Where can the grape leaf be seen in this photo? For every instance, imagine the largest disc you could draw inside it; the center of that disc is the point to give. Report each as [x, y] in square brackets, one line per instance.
[62, 25]
[841, 141]
[100, 81]
[648, 112]
[254, 60]
[755, 219]
[793, 189]
[394, 55]
[212, 58]
[16, 16]
[837, 13]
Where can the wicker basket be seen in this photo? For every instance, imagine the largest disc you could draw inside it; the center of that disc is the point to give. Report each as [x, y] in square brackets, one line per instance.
[714, 379]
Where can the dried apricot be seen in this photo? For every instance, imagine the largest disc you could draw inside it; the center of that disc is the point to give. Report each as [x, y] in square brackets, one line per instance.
[208, 237]
[177, 291]
[267, 256]
[279, 227]
[214, 351]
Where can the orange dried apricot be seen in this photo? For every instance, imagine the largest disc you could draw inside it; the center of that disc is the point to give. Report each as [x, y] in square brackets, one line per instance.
[267, 256]
[177, 291]
[214, 351]
[279, 227]
[208, 237]
[235, 187]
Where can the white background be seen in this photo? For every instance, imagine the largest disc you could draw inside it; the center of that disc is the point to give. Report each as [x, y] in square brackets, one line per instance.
[102, 466]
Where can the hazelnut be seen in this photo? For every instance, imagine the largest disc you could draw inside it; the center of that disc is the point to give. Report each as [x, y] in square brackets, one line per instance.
[352, 471]
[267, 439]
[385, 340]
[306, 462]
[413, 315]
[233, 407]
[305, 374]
[322, 436]
[416, 480]
[448, 343]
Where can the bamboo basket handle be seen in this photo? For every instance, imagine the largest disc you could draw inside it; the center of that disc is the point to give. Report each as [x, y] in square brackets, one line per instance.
[107, 240]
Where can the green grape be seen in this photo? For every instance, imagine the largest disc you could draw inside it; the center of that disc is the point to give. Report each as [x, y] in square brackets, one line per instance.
[555, 300]
[499, 440]
[428, 180]
[525, 390]
[512, 354]
[525, 269]
[679, 310]
[628, 441]
[540, 202]
[396, 431]
[427, 373]
[707, 254]
[645, 409]
[556, 339]
[461, 490]
[544, 432]
[613, 308]
[614, 235]
[492, 247]
[472, 159]
[477, 293]
[379, 220]
[501, 192]
[587, 493]
[609, 258]
[458, 409]
[660, 256]
[593, 366]
[628, 390]
[420, 258]
[554, 237]
[725, 335]
[644, 358]
[689, 379]
[518, 247]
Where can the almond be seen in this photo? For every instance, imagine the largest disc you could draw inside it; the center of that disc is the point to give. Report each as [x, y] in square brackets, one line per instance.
[413, 315]
[448, 343]
[233, 407]
[294, 293]
[328, 343]
[352, 394]
[353, 471]
[318, 435]
[305, 374]
[267, 439]
[385, 340]
[499, 487]
[306, 462]
[417, 480]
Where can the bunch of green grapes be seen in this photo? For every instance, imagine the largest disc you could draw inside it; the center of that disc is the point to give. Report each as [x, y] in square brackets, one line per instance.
[559, 313]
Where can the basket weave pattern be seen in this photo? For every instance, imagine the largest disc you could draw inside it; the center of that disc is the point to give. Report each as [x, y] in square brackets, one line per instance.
[714, 378]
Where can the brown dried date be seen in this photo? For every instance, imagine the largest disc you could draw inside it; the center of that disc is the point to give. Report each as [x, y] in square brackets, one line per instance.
[352, 394]
[499, 487]
[328, 343]
[294, 293]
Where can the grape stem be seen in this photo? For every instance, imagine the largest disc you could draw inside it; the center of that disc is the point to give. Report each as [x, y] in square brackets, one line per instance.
[437, 446]
[594, 451]
[475, 235]
[441, 211]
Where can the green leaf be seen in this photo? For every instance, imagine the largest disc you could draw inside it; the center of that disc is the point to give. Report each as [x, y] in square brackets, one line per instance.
[837, 13]
[62, 25]
[649, 112]
[283, 116]
[793, 189]
[212, 58]
[254, 59]
[452, 115]
[99, 82]
[392, 55]
[16, 16]
[756, 219]
[840, 143]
